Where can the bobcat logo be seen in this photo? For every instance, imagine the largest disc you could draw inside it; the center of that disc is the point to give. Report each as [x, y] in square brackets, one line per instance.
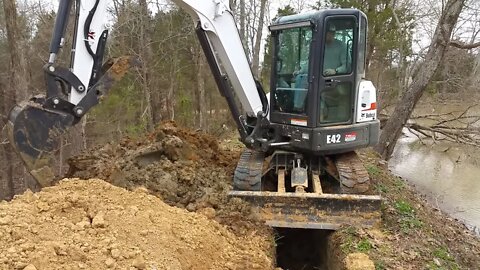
[91, 37]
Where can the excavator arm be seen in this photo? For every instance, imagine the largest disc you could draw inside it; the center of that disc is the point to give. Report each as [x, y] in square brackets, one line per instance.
[71, 92]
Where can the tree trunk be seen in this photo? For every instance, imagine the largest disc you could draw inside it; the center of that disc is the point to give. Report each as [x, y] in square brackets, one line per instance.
[475, 75]
[200, 91]
[18, 67]
[146, 54]
[172, 86]
[258, 40]
[242, 23]
[436, 51]
[14, 175]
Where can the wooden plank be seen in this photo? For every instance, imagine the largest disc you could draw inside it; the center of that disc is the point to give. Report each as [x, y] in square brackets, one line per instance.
[281, 181]
[317, 187]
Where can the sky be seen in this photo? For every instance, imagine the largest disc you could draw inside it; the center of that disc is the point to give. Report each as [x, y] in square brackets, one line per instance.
[422, 33]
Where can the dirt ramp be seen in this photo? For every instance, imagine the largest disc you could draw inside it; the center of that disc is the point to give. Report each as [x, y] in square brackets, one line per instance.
[93, 225]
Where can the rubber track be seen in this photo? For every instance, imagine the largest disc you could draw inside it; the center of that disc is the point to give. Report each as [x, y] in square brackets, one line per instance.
[354, 178]
[248, 174]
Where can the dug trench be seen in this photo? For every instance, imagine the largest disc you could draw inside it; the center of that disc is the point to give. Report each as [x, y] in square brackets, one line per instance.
[162, 204]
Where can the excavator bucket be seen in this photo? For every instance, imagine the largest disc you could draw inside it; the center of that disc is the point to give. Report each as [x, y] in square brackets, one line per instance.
[314, 211]
[34, 130]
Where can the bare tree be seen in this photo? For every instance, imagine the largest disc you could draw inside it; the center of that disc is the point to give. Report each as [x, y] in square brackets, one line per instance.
[17, 88]
[200, 93]
[434, 56]
[258, 39]
[146, 55]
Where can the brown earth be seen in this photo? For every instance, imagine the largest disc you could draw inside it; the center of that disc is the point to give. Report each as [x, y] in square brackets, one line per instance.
[184, 168]
[191, 171]
[91, 224]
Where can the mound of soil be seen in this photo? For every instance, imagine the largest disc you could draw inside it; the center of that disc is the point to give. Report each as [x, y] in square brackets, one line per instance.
[184, 168]
[81, 224]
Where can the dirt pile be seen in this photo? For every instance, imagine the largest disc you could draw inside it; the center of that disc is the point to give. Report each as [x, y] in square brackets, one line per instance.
[93, 225]
[184, 168]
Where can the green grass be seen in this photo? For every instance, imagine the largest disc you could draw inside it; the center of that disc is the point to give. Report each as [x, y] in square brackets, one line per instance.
[364, 245]
[353, 242]
[448, 261]
[404, 208]
[442, 253]
[399, 184]
[373, 170]
[381, 188]
[348, 244]
[380, 265]
[408, 219]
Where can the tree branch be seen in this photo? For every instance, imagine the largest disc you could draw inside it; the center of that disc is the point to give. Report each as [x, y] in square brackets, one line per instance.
[462, 45]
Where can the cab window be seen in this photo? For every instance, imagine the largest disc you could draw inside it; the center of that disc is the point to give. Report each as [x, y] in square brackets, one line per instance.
[337, 59]
[291, 69]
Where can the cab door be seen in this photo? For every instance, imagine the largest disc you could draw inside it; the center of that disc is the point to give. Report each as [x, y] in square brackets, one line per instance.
[337, 71]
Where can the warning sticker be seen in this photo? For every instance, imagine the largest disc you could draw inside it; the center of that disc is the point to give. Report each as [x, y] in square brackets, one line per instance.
[350, 137]
[299, 122]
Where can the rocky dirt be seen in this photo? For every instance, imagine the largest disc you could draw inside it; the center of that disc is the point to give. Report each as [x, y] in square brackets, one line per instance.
[93, 225]
[184, 168]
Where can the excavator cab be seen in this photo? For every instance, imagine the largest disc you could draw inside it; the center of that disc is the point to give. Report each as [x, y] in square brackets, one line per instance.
[318, 71]
[321, 110]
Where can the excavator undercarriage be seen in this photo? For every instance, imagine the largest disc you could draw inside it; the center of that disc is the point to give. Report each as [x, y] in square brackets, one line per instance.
[316, 192]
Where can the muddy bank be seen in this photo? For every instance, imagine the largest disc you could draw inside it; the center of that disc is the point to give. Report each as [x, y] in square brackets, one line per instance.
[413, 234]
[93, 225]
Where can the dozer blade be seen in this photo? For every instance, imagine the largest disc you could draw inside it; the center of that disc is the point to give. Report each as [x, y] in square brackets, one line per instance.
[34, 129]
[314, 211]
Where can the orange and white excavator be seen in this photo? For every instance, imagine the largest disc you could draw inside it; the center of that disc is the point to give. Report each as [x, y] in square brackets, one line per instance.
[300, 165]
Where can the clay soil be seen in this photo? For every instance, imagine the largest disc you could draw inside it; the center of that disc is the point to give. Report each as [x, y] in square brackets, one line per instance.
[161, 204]
[184, 168]
[91, 224]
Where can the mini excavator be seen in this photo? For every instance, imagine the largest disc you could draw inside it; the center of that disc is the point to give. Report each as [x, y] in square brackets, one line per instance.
[300, 167]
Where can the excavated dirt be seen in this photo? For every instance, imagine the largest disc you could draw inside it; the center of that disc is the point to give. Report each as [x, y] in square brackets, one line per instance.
[184, 168]
[92, 224]
[81, 224]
